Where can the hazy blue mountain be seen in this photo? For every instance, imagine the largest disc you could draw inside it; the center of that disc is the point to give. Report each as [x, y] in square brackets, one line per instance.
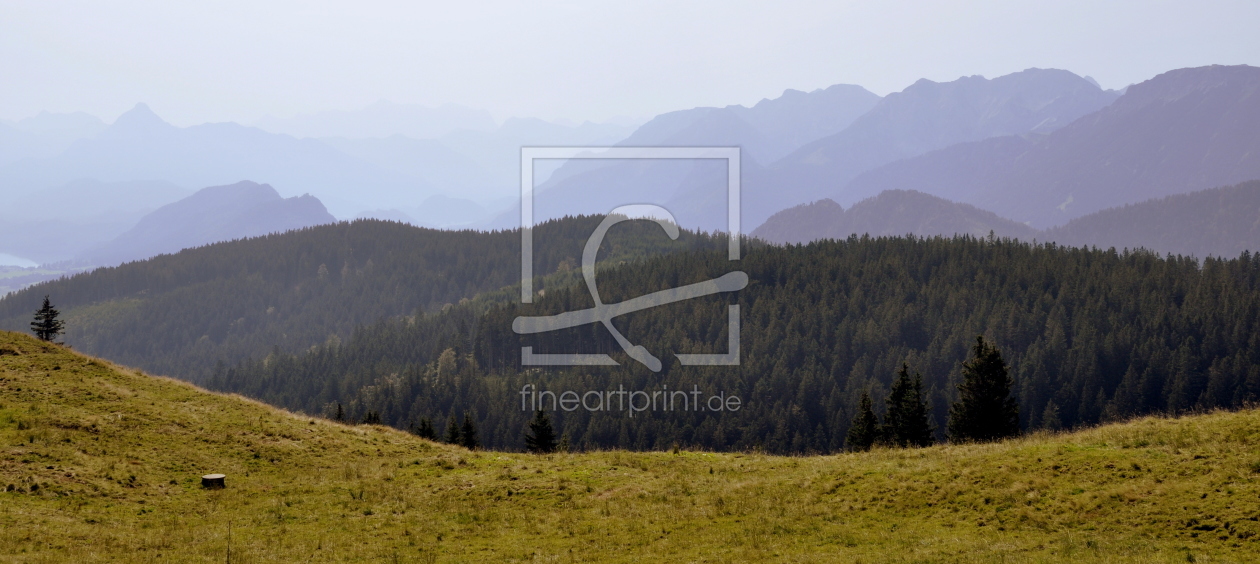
[446, 212]
[139, 145]
[388, 215]
[382, 119]
[1221, 222]
[44, 135]
[58, 223]
[892, 213]
[17, 144]
[695, 191]
[218, 213]
[927, 116]
[70, 126]
[443, 168]
[768, 130]
[1184, 130]
[88, 198]
[482, 166]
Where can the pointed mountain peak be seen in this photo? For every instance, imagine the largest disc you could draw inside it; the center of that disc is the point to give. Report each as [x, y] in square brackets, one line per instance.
[139, 120]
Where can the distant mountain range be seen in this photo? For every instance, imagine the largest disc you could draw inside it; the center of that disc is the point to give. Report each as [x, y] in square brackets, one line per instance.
[219, 213]
[139, 145]
[1221, 222]
[1039, 147]
[44, 135]
[1184, 130]
[58, 223]
[929, 116]
[851, 131]
[695, 191]
[892, 213]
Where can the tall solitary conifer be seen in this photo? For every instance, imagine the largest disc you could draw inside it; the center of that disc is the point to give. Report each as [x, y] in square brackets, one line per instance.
[541, 438]
[865, 428]
[468, 434]
[46, 326]
[452, 431]
[985, 410]
[907, 423]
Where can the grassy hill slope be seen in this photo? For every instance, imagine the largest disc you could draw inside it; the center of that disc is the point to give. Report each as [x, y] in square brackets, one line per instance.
[102, 463]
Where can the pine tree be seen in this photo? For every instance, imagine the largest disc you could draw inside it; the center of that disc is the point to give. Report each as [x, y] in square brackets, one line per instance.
[452, 431]
[372, 418]
[985, 410]
[468, 434]
[541, 438]
[46, 326]
[865, 428]
[341, 414]
[907, 423]
[425, 429]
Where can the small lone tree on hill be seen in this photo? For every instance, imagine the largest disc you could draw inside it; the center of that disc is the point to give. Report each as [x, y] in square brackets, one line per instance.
[452, 431]
[865, 428]
[468, 434]
[907, 423]
[541, 438]
[46, 326]
[985, 410]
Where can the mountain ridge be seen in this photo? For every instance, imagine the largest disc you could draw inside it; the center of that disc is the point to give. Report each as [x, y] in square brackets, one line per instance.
[1183, 130]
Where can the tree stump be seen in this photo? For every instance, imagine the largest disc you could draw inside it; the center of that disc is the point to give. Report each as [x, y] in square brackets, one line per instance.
[213, 481]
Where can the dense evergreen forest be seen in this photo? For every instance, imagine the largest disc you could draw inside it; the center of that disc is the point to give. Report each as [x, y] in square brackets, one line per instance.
[1090, 335]
[181, 314]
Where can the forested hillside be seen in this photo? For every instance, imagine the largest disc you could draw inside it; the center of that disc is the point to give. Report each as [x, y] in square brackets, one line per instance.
[1090, 335]
[182, 314]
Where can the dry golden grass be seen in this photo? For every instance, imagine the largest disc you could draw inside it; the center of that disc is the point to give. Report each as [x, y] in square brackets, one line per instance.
[104, 465]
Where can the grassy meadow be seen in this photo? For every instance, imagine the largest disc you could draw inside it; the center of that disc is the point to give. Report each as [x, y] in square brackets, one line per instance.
[100, 463]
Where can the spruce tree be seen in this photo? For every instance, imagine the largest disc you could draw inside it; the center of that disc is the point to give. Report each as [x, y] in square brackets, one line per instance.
[907, 423]
[46, 326]
[425, 429]
[541, 438]
[452, 431]
[865, 428]
[468, 434]
[372, 418]
[985, 410]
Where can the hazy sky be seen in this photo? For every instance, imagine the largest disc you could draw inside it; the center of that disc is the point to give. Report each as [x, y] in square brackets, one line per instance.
[240, 60]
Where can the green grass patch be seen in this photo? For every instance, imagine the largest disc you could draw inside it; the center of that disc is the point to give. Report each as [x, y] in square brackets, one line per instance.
[102, 463]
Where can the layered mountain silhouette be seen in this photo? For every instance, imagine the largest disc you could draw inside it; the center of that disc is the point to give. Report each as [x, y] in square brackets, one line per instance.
[44, 135]
[691, 189]
[892, 213]
[851, 131]
[58, 223]
[140, 145]
[1184, 130]
[1221, 222]
[219, 213]
[475, 164]
[927, 116]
